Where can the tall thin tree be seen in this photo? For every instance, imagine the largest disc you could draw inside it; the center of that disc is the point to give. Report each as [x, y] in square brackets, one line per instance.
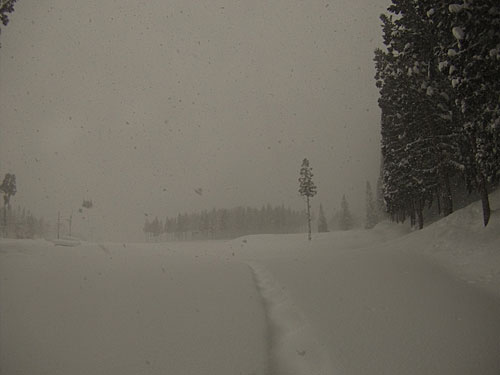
[322, 223]
[345, 220]
[307, 189]
[371, 208]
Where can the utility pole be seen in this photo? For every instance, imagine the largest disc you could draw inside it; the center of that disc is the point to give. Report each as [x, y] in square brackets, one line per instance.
[58, 222]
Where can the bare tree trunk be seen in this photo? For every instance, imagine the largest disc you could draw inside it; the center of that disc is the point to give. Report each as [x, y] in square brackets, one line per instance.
[420, 215]
[483, 189]
[412, 214]
[308, 219]
[5, 215]
[5, 218]
[446, 196]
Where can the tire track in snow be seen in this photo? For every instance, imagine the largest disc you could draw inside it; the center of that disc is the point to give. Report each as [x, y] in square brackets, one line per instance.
[293, 349]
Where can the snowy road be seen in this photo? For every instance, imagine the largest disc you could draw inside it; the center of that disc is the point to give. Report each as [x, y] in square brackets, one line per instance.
[127, 310]
[355, 302]
[385, 312]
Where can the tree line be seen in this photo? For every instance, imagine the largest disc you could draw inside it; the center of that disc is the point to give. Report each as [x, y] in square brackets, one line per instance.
[19, 223]
[439, 82]
[226, 223]
[240, 221]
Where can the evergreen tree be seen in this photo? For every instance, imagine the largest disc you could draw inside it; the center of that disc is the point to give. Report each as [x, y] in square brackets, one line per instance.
[346, 221]
[204, 224]
[6, 7]
[214, 225]
[307, 189]
[322, 223]
[230, 223]
[166, 226]
[9, 189]
[380, 204]
[422, 136]
[222, 221]
[30, 230]
[181, 226]
[42, 227]
[469, 36]
[147, 228]
[371, 209]
[155, 227]
[439, 87]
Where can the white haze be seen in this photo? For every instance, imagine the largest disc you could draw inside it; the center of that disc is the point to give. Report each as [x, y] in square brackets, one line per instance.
[134, 104]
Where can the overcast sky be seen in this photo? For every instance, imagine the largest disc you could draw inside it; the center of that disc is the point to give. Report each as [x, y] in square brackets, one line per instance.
[135, 104]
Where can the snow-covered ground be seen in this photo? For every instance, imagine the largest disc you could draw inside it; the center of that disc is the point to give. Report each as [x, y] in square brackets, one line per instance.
[384, 301]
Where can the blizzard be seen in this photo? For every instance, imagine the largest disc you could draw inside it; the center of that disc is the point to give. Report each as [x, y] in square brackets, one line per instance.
[383, 301]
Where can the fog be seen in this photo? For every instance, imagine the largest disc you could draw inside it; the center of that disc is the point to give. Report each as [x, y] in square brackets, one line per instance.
[137, 104]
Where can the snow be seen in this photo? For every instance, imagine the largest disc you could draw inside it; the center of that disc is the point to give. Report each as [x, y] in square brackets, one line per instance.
[466, 248]
[442, 65]
[455, 8]
[495, 52]
[458, 33]
[383, 301]
[66, 241]
[139, 309]
[293, 347]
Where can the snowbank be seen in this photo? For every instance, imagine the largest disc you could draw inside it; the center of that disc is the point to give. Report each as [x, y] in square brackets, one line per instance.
[464, 246]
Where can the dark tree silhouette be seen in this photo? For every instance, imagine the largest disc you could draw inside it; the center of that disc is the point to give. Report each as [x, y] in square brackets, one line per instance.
[9, 189]
[345, 220]
[322, 224]
[307, 189]
[439, 86]
[6, 7]
[371, 208]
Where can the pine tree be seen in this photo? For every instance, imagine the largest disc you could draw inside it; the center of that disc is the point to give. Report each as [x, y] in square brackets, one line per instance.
[322, 223]
[222, 221]
[345, 221]
[30, 230]
[380, 204]
[422, 137]
[307, 189]
[6, 6]
[204, 223]
[470, 53]
[147, 228]
[9, 189]
[371, 209]
[439, 87]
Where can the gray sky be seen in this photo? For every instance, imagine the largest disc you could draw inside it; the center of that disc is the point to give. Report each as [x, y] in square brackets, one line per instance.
[134, 104]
